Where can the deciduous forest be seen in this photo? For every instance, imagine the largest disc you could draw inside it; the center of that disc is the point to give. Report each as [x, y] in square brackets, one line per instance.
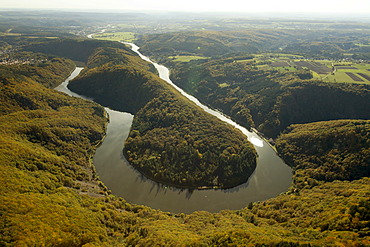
[51, 195]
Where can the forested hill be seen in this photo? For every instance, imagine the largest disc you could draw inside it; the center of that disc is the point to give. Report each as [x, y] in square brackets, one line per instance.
[270, 100]
[76, 49]
[311, 43]
[212, 43]
[327, 151]
[49, 71]
[172, 140]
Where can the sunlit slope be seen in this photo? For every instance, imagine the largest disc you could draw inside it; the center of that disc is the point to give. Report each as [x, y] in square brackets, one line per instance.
[327, 151]
[171, 140]
[47, 139]
[47, 70]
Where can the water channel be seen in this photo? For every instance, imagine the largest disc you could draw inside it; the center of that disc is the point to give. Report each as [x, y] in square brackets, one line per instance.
[271, 177]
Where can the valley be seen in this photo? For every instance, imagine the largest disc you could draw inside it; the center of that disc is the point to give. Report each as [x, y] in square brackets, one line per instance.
[316, 116]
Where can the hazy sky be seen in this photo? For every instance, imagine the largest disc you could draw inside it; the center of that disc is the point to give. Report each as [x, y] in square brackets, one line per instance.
[322, 6]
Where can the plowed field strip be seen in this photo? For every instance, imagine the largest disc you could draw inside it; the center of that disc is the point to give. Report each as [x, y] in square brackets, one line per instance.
[354, 77]
[367, 77]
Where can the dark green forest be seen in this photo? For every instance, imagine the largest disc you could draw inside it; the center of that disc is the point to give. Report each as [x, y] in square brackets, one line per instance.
[50, 194]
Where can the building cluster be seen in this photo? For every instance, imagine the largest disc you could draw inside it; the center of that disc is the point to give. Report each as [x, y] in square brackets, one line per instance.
[6, 59]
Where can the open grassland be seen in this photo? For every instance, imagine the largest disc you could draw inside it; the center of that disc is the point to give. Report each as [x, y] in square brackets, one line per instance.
[9, 34]
[186, 58]
[116, 36]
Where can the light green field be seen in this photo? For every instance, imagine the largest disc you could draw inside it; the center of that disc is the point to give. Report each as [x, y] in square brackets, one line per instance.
[341, 76]
[222, 85]
[269, 62]
[116, 36]
[282, 56]
[362, 45]
[186, 58]
[9, 34]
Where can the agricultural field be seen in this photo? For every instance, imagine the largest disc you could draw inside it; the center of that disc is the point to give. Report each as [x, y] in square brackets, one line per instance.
[350, 72]
[186, 58]
[326, 70]
[116, 36]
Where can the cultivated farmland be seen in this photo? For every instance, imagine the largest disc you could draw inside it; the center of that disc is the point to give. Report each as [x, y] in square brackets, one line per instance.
[367, 77]
[326, 70]
[353, 76]
[314, 66]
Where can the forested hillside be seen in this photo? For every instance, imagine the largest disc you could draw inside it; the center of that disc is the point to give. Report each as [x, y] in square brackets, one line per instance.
[327, 151]
[47, 70]
[171, 140]
[270, 100]
[327, 43]
[47, 139]
[75, 49]
[211, 43]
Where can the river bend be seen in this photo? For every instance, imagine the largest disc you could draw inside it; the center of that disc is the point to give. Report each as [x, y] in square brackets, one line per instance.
[270, 178]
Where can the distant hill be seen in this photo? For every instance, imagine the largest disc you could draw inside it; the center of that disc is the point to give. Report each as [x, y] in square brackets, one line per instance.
[338, 44]
[75, 49]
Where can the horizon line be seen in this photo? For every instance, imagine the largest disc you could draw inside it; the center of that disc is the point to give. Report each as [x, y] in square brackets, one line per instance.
[86, 10]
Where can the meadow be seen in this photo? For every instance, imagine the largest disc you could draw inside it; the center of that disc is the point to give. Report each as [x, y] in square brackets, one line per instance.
[323, 69]
[116, 36]
[186, 58]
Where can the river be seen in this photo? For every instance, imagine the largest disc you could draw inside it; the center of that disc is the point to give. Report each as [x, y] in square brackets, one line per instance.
[270, 178]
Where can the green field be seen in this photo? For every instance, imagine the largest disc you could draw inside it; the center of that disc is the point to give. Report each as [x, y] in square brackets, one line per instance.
[9, 34]
[342, 75]
[186, 58]
[326, 70]
[116, 36]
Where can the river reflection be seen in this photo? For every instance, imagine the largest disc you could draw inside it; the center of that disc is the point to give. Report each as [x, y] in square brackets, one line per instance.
[269, 179]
